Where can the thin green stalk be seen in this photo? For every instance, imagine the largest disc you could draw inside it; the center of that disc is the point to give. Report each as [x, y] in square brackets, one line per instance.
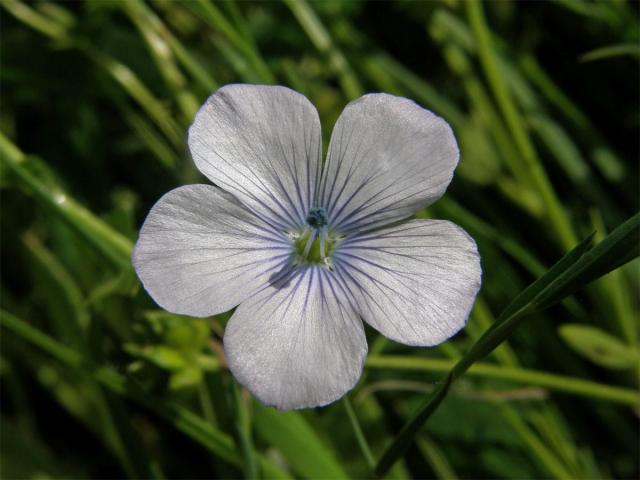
[119, 72]
[436, 458]
[386, 67]
[617, 294]
[532, 69]
[206, 403]
[210, 12]
[622, 49]
[111, 243]
[485, 319]
[533, 442]
[357, 430]
[321, 39]
[131, 84]
[182, 419]
[156, 144]
[242, 426]
[460, 64]
[34, 19]
[71, 324]
[557, 217]
[551, 381]
[162, 54]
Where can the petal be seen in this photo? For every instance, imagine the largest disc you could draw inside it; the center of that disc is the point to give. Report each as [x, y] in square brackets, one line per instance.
[415, 283]
[387, 159]
[201, 253]
[263, 144]
[297, 344]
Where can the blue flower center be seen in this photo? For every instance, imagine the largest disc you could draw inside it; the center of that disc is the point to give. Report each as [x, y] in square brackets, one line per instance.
[317, 218]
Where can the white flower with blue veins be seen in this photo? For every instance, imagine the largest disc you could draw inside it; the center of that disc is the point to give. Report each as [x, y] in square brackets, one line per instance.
[306, 250]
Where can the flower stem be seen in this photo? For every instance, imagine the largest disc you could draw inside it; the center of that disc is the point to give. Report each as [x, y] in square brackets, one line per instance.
[357, 430]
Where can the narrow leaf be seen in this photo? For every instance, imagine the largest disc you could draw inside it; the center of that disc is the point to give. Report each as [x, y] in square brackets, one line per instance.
[577, 268]
[181, 418]
[598, 346]
[290, 433]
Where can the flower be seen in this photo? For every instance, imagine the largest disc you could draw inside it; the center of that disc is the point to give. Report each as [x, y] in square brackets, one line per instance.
[308, 250]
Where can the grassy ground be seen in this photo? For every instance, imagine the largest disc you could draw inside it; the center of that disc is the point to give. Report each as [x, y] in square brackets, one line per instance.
[97, 382]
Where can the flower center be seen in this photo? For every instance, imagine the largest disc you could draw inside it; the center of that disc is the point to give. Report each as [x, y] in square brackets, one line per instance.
[315, 243]
[317, 218]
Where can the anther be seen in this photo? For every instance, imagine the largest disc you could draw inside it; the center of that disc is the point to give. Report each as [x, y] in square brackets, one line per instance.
[317, 218]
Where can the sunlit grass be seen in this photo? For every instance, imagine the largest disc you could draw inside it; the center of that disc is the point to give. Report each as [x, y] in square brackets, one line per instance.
[96, 100]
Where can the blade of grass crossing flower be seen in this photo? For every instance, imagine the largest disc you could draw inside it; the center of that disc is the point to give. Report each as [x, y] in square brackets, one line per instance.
[109, 242]
[574, 270]
[290, 433]
[321, 39]
[182, 419]
[518, 309]
[557, 217]
[357, 430]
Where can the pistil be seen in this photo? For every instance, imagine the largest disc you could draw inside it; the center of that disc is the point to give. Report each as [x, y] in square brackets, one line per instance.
[315, 243]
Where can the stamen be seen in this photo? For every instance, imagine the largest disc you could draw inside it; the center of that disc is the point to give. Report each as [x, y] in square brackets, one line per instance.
[310, 240]
[323, 239]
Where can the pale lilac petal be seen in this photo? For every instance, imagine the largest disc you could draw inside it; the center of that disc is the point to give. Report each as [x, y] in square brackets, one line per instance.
[388, 158]
[415, 283]
[262, 144]
[201, 253]
[299, 343]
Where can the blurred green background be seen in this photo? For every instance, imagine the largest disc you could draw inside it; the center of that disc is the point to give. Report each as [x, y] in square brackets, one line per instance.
[96, 97]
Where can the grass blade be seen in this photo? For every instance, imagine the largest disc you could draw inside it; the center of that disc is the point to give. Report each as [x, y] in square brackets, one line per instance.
[574, 270]
[557, 216]
[111, 243]
[308, 456]
[551, 381]
[182, 419]
[357, 430]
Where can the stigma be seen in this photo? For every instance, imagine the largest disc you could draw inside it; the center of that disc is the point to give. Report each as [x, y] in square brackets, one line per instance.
[317, 218]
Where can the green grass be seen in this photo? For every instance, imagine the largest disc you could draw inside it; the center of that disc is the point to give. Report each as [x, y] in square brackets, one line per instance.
[543, 97]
